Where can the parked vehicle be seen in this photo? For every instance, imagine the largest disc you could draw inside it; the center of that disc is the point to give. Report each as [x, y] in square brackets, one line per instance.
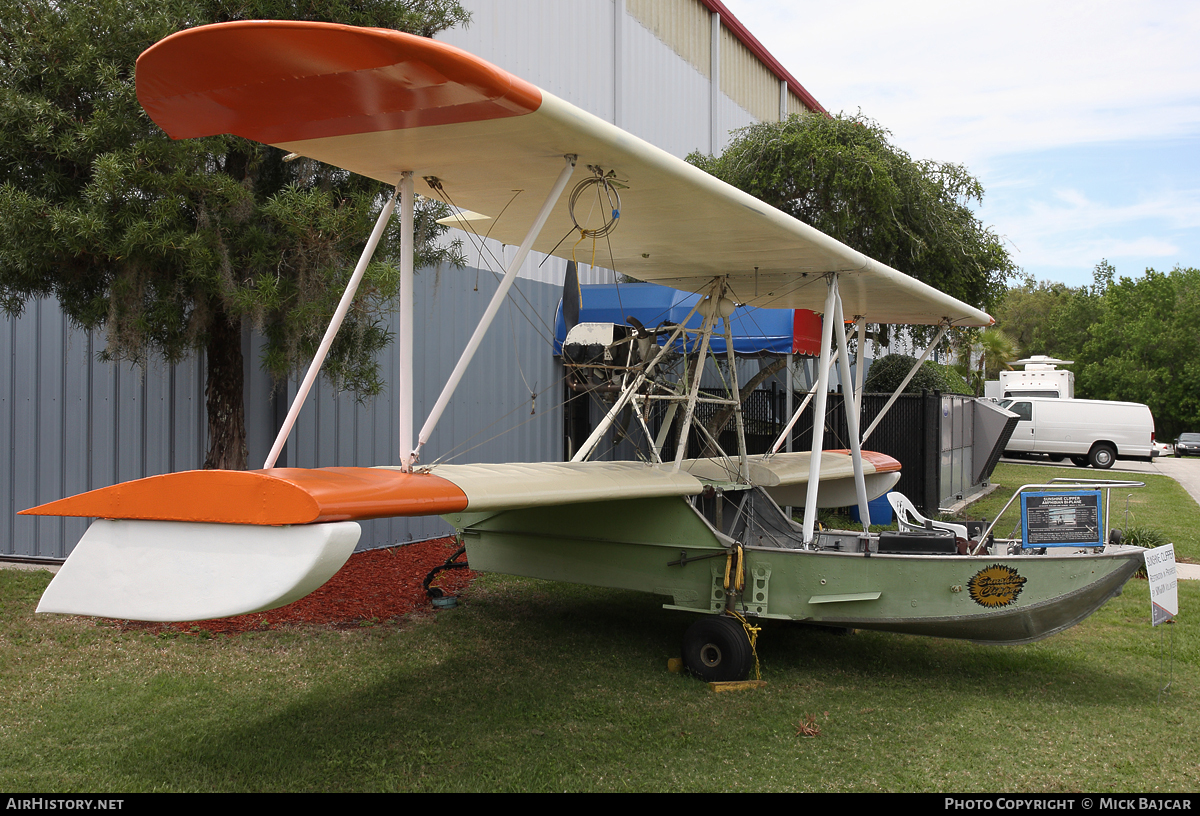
[1187, 444]
[1041, 378]
[1161, 449]
[1089, 432]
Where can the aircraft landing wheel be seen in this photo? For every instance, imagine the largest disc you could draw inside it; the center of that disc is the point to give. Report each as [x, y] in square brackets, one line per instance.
[716, 649]
[1080, 461]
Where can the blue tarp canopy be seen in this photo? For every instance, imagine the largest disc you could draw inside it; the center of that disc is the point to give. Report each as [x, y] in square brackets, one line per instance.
[755, 331]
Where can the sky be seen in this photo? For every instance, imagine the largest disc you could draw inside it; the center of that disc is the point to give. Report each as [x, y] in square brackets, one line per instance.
[1081, 120]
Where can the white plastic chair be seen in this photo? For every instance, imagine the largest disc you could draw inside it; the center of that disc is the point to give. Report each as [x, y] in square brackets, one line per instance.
[908, 519]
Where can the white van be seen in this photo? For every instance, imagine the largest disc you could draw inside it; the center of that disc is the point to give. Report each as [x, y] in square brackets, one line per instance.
[1089, 432]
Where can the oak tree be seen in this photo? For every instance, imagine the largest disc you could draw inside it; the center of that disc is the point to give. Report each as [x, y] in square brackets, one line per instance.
[172, 246]
[842, 175]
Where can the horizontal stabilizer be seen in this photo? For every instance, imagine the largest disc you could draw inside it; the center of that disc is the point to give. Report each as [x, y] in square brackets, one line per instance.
[182, 571]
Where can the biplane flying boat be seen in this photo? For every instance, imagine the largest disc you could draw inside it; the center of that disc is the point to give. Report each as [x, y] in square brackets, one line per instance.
[706, 533]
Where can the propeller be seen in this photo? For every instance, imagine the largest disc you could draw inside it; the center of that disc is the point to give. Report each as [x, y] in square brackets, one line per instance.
[572, 297]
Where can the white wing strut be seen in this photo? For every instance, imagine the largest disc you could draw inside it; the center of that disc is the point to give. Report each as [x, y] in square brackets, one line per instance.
[484, 322]
[849, 396]
[785, 437]
[331, 332]
[818, 434]
[860, 369]
[405, 389]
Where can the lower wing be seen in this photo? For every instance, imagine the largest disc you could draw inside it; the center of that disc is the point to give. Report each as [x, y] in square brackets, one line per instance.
[210, 543]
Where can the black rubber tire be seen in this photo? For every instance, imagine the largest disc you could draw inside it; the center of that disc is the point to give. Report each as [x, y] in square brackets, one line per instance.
[1080, 461]
[1054, 457]
[716, 649]
[1102, 457]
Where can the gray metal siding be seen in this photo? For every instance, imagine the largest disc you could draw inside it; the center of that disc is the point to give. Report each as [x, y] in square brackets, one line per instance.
[563, 46]
[73, 424]
[667, 100]
[568, 47]
[69, 423]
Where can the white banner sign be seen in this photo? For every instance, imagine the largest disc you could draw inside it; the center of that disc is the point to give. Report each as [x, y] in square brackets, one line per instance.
[1164, 593]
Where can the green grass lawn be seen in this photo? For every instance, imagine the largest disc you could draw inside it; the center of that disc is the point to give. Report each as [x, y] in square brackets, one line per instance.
[1162, 504]
[532, 686]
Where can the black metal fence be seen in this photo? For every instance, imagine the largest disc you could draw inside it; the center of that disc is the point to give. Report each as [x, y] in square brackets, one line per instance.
[764, 413]
[909, 432]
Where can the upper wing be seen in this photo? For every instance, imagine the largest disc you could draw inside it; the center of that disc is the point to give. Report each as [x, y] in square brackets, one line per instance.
[380, 102]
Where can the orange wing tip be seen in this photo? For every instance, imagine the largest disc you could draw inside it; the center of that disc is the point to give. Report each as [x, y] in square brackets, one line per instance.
[282, 81]
[271, 497]
[880, 461]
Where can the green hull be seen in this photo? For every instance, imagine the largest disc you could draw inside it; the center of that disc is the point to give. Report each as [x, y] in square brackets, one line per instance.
[663, 546]
[1014, 599]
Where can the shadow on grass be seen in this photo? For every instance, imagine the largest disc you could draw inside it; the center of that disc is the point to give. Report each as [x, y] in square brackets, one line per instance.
[533, 686]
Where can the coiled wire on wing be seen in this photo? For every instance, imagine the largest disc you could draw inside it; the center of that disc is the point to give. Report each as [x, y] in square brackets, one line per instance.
[606, 191]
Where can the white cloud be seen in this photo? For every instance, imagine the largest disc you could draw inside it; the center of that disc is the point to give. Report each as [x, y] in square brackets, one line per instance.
[961, 81]
[1076, 116]
[1071, 209]
[1082, 254]
[1072, 230]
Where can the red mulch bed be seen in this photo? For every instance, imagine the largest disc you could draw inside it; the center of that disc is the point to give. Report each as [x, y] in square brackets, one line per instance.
[375, 585]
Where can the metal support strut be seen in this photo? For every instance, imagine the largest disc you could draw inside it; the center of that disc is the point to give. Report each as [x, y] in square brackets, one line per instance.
[510, 277]
[331, 332]
[405, 385]
[818, 433]
[849, 396]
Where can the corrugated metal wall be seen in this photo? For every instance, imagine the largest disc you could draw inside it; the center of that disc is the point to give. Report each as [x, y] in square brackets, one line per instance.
[563, 46]
[644, 65]
[73, 424]
[69, 423]
[746, 81]
[682, 25]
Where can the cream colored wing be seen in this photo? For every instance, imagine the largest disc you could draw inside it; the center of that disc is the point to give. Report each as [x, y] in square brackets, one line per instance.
[380, 102]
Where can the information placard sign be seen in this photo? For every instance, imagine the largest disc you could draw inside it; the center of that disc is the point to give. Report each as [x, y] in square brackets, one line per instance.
[1062, 519]
[1164, 588]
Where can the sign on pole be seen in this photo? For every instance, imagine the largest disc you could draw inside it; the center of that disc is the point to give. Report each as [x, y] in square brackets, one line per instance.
[1062, 519]
[1164, 592]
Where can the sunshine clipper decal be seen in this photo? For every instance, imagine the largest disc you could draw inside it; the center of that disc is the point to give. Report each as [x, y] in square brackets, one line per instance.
[996, 586]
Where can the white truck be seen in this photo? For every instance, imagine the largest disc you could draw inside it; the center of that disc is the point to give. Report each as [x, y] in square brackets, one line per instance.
[1088, 432]
[1041, 378]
